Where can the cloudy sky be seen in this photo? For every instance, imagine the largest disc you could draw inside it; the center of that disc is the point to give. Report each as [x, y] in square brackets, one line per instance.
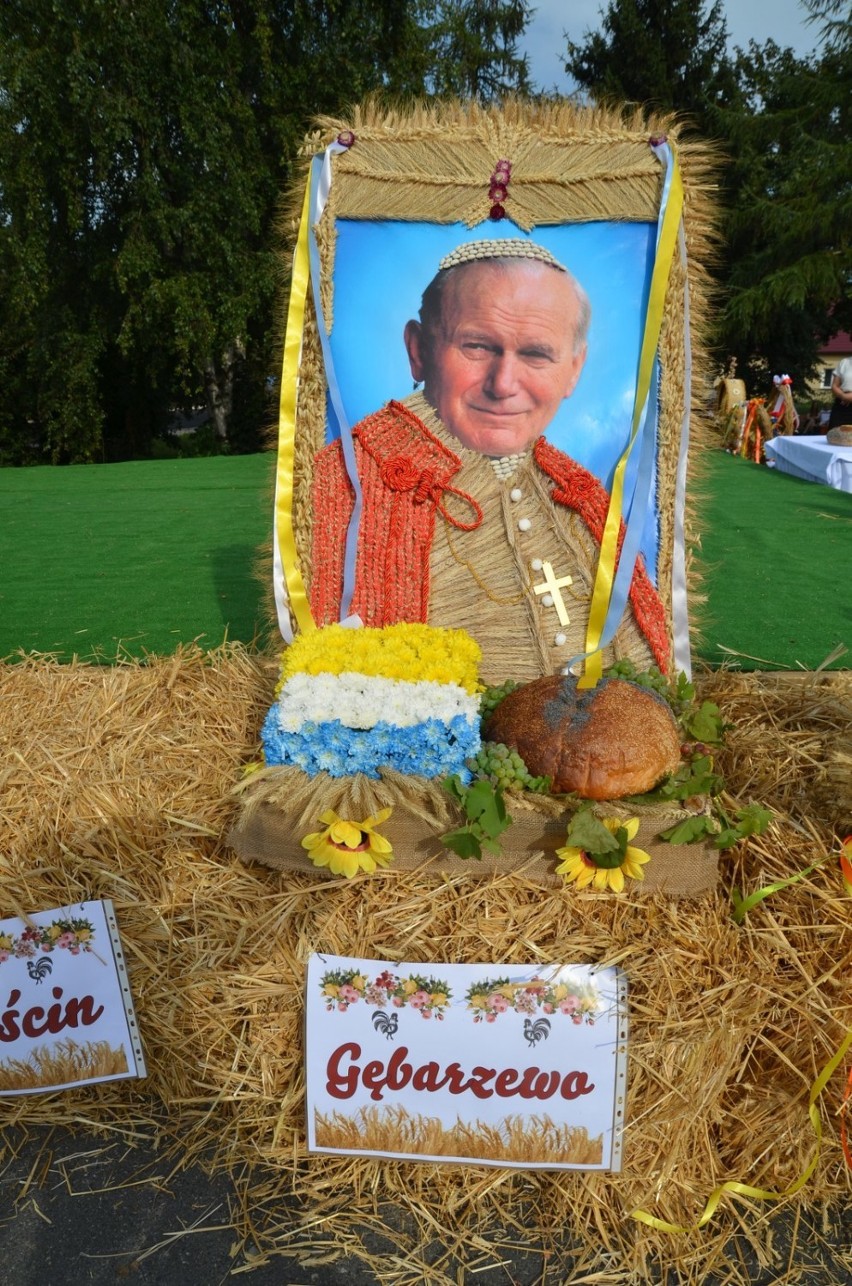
[783, 20]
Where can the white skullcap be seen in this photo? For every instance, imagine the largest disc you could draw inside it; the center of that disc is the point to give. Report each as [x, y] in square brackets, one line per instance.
[473, 251]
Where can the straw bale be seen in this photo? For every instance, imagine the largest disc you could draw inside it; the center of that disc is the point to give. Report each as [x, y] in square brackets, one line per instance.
[118, 782]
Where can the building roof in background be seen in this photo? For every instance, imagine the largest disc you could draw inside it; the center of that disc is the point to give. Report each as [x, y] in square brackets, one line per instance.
[839, 343]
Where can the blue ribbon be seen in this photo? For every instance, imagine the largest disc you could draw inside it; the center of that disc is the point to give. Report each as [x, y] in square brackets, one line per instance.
[639, 509]
[637, 506]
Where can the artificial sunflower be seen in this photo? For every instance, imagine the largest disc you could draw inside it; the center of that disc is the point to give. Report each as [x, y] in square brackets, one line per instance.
[349, 847]
[605, 869]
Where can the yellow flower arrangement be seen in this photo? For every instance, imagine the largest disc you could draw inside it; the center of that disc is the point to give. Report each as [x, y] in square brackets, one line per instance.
[349, 847]
[406, 651]
[605, 871]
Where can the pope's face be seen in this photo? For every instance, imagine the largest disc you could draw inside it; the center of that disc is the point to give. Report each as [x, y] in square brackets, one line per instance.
[502, 359]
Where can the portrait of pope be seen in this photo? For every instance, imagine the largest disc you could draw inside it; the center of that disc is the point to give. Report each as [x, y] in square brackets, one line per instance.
[471, 518]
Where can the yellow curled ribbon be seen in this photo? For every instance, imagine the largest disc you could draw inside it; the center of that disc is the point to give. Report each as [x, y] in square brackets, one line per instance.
[296, 592]
[593, 667]
[745, 1189]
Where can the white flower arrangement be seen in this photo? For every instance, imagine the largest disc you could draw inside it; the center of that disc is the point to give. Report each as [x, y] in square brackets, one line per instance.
[362, 701]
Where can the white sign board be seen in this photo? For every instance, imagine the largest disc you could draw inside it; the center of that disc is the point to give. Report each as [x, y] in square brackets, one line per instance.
[505, 1065]
[67, 1016]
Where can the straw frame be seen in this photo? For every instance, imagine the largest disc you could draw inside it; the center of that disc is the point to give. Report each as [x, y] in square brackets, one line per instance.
[570, 164]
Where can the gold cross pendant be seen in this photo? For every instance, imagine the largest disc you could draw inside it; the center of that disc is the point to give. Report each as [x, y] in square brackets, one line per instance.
[553, 586]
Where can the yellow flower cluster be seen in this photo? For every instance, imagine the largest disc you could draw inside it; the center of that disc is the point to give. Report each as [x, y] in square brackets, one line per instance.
[406, 651]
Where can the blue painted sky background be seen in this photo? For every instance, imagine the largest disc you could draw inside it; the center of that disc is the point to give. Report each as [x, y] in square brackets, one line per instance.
[381, 269]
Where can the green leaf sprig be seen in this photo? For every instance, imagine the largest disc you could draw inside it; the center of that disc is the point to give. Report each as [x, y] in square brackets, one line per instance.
[750, 820]
[588, 833]
[487, 818]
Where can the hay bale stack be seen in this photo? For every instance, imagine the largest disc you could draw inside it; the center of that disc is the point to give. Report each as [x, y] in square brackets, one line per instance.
[117, 783]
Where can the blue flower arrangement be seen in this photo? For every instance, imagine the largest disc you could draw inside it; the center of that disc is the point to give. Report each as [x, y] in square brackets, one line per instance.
[430, 748]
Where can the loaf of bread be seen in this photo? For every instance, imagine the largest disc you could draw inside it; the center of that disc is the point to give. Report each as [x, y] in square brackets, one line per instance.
[602, 743]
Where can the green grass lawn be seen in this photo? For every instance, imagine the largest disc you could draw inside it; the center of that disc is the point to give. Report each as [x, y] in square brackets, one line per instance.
[101, 560]
[774, 559]
[134, 557]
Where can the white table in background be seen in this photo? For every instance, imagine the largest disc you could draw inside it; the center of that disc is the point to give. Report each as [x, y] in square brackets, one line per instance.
[813, 459]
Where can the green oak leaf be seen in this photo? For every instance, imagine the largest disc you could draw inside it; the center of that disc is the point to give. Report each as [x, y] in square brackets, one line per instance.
[689, 831]
[463, 843]
[705, 723]
[453, 786]
[589, 833]
[751, 820]
[485, 807]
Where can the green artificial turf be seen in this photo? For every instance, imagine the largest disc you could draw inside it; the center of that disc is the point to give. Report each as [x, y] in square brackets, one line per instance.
[774, 558]
[124, 559]
[132, 558]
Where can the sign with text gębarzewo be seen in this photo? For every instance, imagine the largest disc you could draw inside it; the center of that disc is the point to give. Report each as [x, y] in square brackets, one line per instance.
[505, 1065]
[67, 1016]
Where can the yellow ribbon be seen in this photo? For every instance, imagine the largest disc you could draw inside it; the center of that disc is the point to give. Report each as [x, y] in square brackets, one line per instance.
[602, 592]
[296, 592]
[745, 1189]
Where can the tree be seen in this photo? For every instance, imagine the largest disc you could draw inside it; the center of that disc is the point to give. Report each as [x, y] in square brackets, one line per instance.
[667, 53]
[783, 128]
[143, 148]
[789, 234]
[474, 47]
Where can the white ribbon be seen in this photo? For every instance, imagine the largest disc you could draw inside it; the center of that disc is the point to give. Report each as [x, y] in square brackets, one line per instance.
[680, 614]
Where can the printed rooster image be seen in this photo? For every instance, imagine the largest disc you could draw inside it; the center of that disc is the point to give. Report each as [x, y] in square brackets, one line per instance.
[387, 1024]
[536, 1031]
[39, 969]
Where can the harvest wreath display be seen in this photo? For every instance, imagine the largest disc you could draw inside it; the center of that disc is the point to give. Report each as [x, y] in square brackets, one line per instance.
[482, 583]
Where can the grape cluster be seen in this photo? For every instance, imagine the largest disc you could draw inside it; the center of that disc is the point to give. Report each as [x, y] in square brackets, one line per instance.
[491, 697]
[679, 694]
[650, 678]
[505, 768]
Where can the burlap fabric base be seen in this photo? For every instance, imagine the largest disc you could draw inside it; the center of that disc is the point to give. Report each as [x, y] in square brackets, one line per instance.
[270, 834]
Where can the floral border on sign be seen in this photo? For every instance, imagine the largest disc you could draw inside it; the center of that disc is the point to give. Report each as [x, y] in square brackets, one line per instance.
[344, 987]
[490, 997]
[72, 934]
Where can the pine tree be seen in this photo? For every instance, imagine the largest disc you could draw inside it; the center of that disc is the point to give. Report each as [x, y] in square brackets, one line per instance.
[782, 124]
[789, 231]
[669, 54]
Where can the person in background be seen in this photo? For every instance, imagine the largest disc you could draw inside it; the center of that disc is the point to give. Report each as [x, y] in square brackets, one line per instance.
[840, 420]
